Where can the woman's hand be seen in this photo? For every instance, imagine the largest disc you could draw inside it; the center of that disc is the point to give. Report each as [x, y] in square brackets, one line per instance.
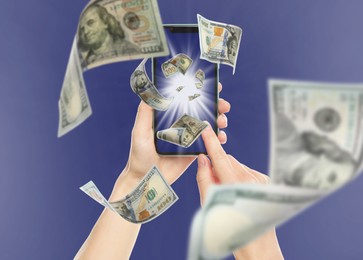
[225, 169]
[143, 154]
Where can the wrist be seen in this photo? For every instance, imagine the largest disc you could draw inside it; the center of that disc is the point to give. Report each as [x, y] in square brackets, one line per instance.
[124, 184]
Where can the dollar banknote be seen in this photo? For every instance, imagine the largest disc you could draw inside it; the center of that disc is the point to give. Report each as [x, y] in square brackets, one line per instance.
[146, 90]
[180, 88]
[316, 147]
[179, 63]
[148, 200]
[73, 105]
[193, 96]
[91, 190]
[316, 133]
[183, 132]
[198, 85]
[219, 42]
[117, 30]
[200, 75]
[234, 215]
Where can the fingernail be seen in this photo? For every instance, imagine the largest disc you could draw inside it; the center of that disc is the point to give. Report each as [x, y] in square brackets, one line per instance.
[224, 136]
[226, 119]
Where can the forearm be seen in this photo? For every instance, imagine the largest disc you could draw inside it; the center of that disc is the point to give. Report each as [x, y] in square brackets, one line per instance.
[265, 247]
[112, 237]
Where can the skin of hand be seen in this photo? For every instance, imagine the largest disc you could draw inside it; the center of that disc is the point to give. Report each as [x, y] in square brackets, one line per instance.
[225, 169]
[112, 237]
[143, 155]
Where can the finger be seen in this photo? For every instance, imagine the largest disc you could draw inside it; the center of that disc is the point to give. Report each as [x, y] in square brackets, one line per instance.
[244, 174]
[222, 121]
[223, 106]
[248, 172]
[219, 87]
[218, 156]
[222, 137]
[204, 176]
[143, 121]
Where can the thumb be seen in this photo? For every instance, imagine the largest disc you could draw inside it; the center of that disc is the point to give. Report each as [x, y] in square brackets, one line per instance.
[143, 121]
[205, 176]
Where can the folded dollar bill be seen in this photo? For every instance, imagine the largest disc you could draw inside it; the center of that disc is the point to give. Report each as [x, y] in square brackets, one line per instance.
[73, 105]
[108, 31]
[219, 42]
[148, 200]
[178, 89]
[316, 147]
[179, 63]
[200, 75]
[193, 96]
[234, 215]
[198, 85]
[142, 86]
[183, 132]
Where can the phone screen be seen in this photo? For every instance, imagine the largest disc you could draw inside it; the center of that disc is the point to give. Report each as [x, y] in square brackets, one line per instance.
[189, 97]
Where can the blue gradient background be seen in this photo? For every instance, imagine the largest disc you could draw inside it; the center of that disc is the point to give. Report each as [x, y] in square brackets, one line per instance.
[45, 216]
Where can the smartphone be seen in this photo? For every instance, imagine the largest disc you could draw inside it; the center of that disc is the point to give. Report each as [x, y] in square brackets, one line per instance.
[189, 97]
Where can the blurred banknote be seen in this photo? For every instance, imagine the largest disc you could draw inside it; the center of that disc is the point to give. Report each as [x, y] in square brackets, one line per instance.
[316, 147]
[219, 42]
[118, 30]
[316, 133]
[200, 75]
[146, 90]
[183, 132]
[74, 106]
[179, 63]
[193, 96]
[180, 88]
[147, 201]
[234, 215]
[198, 85]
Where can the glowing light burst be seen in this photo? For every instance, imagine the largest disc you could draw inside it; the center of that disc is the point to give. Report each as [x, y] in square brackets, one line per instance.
[199, 107]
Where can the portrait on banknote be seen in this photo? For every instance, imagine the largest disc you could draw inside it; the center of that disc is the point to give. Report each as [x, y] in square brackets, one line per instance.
[140, 80]
[101, 36]
[308, 159]
[123, 210]
[232, 48]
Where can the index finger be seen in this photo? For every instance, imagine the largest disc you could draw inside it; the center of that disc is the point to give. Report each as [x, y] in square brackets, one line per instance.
[221, 164]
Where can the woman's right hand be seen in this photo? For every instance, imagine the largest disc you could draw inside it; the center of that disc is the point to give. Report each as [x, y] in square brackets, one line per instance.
[225, 169]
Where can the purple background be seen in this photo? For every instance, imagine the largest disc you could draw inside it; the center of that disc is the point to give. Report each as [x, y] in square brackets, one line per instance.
[45, 216]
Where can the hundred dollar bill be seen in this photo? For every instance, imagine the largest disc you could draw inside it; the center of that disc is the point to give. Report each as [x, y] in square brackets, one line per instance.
[91, 190]
[183, 132]
[198, 85]
[200, 75]
[316, 147]
[316, 133]
[146, 90]
[74, 106]
[168, 69]
[117, 30]
[179, 63]
[219, 42]
[147, 201]
[193, 97]
[235, 215]
[180, 88]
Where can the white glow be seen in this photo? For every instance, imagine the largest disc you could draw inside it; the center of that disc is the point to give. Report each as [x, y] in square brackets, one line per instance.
[199, 107]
